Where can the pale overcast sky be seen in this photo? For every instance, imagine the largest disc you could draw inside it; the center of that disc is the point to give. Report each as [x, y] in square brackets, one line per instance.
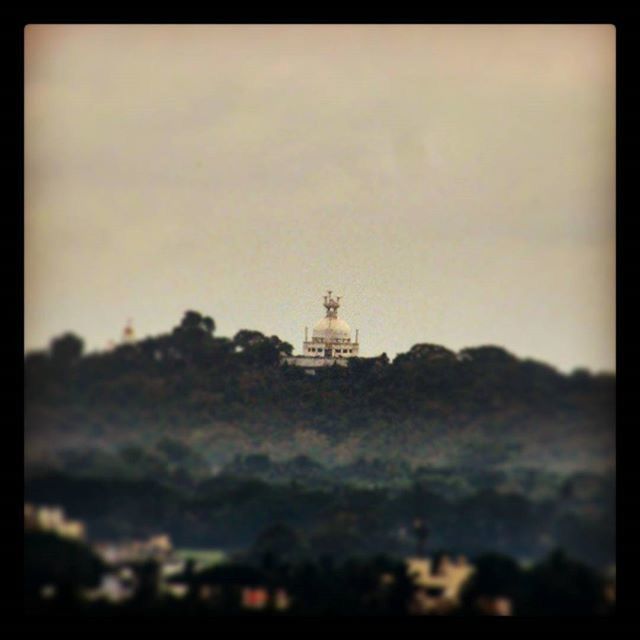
[456, 184]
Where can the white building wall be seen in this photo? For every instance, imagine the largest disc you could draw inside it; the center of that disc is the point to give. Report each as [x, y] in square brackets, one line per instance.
[339, 349]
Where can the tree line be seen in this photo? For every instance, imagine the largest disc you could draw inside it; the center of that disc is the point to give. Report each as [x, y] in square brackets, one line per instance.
[190, 376]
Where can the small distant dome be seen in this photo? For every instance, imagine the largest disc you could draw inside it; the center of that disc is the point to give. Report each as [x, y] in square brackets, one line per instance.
[330, 328]
[128, 334]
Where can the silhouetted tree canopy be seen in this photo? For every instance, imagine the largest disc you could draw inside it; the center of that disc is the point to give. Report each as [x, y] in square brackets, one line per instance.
[561, 586]
[194, 321]
[52, 560]
[66, 349]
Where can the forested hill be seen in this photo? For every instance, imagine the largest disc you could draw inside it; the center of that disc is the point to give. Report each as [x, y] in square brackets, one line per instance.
[233, 394]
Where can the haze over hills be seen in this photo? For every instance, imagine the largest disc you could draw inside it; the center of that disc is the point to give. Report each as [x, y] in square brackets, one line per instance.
[187, 413]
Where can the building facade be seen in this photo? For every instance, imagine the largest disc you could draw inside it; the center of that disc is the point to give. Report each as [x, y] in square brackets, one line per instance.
[52, 520]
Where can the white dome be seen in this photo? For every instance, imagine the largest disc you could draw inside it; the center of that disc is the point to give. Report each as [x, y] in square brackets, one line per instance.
[331, 329]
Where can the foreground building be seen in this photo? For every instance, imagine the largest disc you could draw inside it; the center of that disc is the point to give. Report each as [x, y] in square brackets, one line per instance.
[330, 342]
[52, 520]
[157, 547]
[438, 584]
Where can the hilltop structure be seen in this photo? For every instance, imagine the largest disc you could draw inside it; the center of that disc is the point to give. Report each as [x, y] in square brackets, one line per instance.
[128, 334]
[330, 341]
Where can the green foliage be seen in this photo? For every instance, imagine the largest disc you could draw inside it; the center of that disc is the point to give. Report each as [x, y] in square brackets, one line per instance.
[257, 349]
[194, 321]
[200, 378]
[426, 353]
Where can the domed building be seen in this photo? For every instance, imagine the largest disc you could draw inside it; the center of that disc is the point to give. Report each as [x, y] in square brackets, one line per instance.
[330, 340]
[331, 337]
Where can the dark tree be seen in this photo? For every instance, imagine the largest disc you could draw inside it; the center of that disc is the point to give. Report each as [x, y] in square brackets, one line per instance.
[66, 564]
[495, 576]
[66, 349]
[561, 586]
[426, 353]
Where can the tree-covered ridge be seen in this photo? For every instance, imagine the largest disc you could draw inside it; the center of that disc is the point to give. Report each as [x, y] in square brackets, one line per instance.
[208, 377]
[225, 396]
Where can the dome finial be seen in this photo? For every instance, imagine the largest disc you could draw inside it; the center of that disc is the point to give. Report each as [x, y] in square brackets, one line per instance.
[331, 305]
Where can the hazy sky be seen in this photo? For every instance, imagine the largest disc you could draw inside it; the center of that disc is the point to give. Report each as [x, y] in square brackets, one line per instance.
[456, 184]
